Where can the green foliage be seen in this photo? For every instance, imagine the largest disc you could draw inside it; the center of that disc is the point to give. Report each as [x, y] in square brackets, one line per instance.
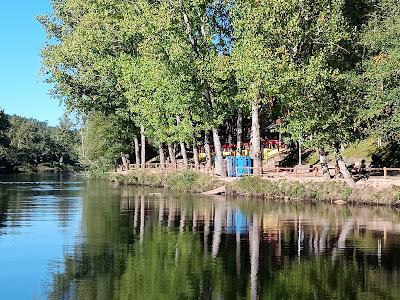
[310, 191]
[190, 181]
[97, 171]
[363, 149]
[126, 257]
[4, 140]
[330, 280]
[183, 181]
[397, 195]
[4, 127]
[170, 265]
[328, 69]
[382, 70]
[104, 138]
[346, 192]
[29, 145]
[292, 54]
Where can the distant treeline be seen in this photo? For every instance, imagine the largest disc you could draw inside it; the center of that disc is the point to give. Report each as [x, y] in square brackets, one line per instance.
[28, 145]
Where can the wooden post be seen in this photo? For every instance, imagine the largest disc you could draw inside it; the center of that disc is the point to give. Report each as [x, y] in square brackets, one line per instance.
[300, 162]
[384, 172]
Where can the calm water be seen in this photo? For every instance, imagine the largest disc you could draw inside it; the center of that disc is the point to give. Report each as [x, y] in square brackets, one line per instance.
[64, 238]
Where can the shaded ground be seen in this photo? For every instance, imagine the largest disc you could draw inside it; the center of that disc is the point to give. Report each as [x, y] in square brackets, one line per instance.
[386, 156]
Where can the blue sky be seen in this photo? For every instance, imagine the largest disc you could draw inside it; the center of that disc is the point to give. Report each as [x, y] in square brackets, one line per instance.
[22, 90]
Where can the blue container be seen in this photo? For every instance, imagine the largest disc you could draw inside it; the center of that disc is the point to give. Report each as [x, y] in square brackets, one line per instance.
[249, 164]
[242, 225]
[231, 164]
[243, 164]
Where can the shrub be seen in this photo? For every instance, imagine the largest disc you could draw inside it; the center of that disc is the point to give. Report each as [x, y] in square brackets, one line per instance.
[186, 181]
[293, 189]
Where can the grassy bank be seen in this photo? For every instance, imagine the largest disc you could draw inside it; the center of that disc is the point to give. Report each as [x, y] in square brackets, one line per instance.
[287, 190]
[291, 190]
[184, 181]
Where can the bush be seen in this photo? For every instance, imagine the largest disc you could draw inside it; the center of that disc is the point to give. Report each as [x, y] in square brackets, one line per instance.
[185, 181]
[97, 171]
[313, 191]
[252, 186]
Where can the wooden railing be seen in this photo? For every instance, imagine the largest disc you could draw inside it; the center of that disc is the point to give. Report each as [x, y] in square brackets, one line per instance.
[385, 171]
[250, 171]
[246, 171]
[169, 167]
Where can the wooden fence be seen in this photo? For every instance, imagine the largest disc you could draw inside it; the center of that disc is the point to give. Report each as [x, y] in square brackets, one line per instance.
[384, 171]
[169, 167]
[250, 171]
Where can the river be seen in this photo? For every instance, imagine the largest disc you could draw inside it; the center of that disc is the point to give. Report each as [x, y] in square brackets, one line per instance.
[67, 238]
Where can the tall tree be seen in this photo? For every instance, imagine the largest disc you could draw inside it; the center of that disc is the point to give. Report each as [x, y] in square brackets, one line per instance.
[4, 140]
[381, 66]
[295, 54]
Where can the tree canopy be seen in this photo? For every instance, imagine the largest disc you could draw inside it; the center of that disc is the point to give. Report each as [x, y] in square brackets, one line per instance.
[179, 69]
[29, 145]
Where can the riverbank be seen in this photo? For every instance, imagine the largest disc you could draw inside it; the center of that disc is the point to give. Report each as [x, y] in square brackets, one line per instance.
[183, 181]
[316, 191]
[289, 189]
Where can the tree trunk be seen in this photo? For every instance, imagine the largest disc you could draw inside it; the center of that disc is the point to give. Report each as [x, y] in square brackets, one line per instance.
[238, 257]
[300, 153]
[184, 154]
[136, 213]
[254, 241]
[171, 153]
[182, 145]
[161, 212]
[343, 168]
[207, 149]
[255, 138]
[189, 29]
[142, 216]
[323, 160]
[83, 144]
[218, 219]
[137, 152]
[346, 230]
[195, 155]
[125, 161]
[162, 157]
[143, 144]
[208, 97]
[229, 131]
[219, 163]
[182, 223]
[239, 131]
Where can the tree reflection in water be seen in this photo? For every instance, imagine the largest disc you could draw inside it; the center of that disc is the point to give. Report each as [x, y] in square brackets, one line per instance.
[137, 245]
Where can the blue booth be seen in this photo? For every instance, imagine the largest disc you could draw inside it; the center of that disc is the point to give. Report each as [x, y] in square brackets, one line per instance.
[231, 165]
[239, 164]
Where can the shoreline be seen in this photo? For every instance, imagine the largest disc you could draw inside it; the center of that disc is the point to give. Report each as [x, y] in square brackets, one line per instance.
[280, 189]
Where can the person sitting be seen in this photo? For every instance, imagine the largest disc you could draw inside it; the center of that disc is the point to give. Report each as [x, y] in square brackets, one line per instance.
[338, 174]
[362, 170]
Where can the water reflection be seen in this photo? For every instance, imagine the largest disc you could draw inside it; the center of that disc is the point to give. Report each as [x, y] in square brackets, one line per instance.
[144, 245]
[150, 244]
[39, 218]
